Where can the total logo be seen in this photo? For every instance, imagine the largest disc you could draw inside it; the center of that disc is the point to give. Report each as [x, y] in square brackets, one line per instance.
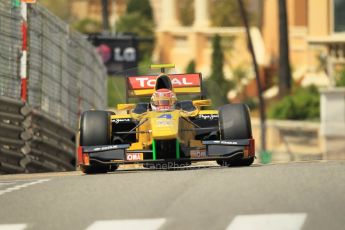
[178, 80]
[145, 81]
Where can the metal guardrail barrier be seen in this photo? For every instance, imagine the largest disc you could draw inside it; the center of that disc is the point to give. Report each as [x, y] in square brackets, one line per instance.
[31, 141]
[65, 77]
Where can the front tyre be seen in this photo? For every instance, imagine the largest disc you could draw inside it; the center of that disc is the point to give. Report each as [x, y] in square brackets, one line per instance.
[234, 123]
[95, 129]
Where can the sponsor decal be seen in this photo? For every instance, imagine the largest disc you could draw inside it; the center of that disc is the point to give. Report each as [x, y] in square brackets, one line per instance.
[106, 148]
[118, 54]
[134, 156]
[177, 80]
[197, 153]
[166, 116]
[229, 142]
[163, 122]
[116, 160]
[223, 142]
[127, 54]
[119, 120]
[208, 116]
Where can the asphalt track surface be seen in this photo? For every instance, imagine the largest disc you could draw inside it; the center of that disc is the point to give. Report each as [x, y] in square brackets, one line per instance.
[309, 195]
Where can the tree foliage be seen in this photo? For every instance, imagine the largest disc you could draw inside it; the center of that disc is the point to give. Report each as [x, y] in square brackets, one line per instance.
[142, 7]
[217, 59]
[217, 85]
[226, 13]
[88, 26]
[191, 67]
[138, 20]
[59, 8]
[135, 23]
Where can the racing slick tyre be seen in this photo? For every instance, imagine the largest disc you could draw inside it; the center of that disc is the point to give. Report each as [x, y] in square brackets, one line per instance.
[95, 129]
[234, 123]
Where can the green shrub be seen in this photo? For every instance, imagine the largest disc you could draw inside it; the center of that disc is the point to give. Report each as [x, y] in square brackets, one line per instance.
[303, 104]
[340, 81]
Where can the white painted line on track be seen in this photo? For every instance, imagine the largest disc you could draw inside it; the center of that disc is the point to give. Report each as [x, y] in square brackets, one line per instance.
[284, 221]
[21, 186]
[3, 184]
[142, 224]
[13, 226]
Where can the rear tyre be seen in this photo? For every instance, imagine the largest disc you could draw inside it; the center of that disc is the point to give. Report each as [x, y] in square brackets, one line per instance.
[234, 123]
[95, 129]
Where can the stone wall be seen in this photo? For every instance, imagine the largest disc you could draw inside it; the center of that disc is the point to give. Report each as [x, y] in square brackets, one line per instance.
[290, 140]
[333, 123]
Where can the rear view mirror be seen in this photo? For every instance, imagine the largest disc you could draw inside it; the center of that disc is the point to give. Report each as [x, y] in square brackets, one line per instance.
[125, 106]
[200, 103]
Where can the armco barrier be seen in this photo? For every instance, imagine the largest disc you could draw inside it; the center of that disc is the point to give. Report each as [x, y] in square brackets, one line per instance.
[64, 76]
[31, 141]
[11, 129]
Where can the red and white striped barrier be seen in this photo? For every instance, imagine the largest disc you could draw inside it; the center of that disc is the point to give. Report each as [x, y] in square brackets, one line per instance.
[24, 56]
[23, 59]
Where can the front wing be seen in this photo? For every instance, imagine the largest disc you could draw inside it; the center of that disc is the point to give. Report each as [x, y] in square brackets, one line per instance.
[213, 150]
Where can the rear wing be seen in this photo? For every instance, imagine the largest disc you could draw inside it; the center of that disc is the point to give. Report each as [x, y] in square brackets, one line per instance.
[183, 84]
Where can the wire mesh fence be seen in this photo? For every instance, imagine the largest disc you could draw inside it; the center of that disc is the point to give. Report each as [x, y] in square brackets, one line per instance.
[10, 46]
[65, 74]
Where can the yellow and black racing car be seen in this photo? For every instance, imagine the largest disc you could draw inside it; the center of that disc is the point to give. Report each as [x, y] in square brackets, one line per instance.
[164, 132]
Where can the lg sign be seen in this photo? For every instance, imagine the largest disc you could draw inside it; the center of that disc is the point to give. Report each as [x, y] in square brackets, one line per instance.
[119, 53]
[128, 54]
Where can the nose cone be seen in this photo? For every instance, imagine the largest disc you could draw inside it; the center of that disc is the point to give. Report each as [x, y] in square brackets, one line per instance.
[165, 125]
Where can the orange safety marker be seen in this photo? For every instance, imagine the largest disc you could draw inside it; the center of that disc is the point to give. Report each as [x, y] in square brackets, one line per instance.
[29, 1]
[86, 159]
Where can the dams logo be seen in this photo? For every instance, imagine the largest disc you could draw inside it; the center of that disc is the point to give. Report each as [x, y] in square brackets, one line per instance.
[177, 80]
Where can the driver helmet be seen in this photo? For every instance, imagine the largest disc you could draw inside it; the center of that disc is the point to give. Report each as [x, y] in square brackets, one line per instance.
[163, 100]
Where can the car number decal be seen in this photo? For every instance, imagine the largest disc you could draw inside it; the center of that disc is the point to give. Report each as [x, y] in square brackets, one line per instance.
[166, 116]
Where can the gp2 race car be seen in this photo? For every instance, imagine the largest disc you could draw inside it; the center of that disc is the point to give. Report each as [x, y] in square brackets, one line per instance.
[167, 138]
